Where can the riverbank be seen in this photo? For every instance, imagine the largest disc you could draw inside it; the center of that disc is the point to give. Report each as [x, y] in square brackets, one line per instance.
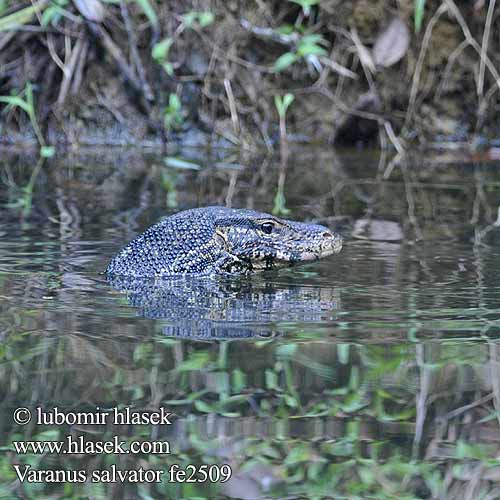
[143, 73]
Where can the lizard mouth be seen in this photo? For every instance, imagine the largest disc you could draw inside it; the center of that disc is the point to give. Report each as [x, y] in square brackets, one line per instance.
[272, 257]
[279, 258]
[331, 244]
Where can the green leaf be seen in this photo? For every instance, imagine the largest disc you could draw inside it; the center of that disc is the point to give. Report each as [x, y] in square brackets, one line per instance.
[305, 50]
[48, 435]
[286, 29]
[20, 17]
[142, 351]
[312, 39]
[192, 396]
[343, 353]
[196, 361]
[282, 103]
[287, 100]
[203, 407]
[306, 5]
[271, 379]
[173, 114]
[51, 15]
[278, 102]
[205, 19]
[175, 162]
[172, 199]
[419, 14]
[286, 350]
[310, 45]
[238, 380]
[16, 101]
[47, 151]
[161, 49]
[234, 400]
[174, 103]
[169, 69]
[301, 453]
[280, 204]
[149, 12]
[167, 341]
[284, 61]
[189, 18]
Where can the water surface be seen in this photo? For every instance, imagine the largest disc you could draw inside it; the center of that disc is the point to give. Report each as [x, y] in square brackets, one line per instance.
[371, 373]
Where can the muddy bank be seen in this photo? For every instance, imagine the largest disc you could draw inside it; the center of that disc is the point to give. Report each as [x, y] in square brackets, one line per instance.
[147, 73]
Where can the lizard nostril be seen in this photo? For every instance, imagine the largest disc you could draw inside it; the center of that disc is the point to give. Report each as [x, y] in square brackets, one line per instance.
[327, 234]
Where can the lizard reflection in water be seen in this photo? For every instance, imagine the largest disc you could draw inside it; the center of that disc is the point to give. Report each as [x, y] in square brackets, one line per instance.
[219, 240]
[227, 307]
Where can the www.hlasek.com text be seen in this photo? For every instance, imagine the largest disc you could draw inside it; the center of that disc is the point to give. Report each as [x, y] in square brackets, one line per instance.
[77, 445]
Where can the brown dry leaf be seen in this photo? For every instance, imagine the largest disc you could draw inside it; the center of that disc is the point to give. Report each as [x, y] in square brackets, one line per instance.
[92, 10]
[391, 45]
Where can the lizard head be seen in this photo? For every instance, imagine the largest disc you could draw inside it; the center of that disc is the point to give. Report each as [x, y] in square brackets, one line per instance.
[263, 241]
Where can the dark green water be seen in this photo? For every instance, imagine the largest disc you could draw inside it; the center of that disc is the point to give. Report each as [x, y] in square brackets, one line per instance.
[371, 374]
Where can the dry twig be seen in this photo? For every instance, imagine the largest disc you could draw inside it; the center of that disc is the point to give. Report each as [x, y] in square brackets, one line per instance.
[484, 47]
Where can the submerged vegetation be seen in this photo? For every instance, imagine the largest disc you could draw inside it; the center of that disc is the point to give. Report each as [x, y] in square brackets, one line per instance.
[318, 419]
[139, 72]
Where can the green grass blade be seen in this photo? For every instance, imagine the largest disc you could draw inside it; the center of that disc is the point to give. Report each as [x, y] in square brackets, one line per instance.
[419, 14]
[20, 17]
[149, 12]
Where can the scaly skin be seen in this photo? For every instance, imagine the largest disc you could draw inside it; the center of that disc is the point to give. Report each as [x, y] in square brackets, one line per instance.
[215, 240]
[226, 307]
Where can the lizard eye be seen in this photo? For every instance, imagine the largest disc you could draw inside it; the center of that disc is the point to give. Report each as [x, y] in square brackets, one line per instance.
[267, 227]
